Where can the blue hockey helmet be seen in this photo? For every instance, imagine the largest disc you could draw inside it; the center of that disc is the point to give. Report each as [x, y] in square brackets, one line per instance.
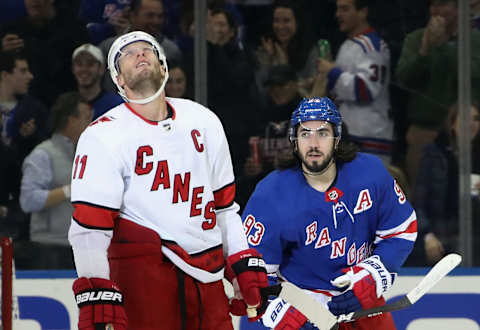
[315, 108]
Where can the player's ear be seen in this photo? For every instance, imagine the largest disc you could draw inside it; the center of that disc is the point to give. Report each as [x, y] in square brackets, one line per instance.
[120, 80]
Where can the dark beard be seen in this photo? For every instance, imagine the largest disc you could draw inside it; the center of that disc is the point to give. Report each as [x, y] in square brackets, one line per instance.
[316, 167]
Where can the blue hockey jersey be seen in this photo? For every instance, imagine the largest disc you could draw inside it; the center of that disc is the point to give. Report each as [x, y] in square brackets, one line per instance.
[312, 235]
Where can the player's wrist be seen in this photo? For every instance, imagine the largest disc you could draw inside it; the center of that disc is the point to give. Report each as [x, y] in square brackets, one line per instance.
[246, 270]
[97, 291]
[382, 277]
[100, 301]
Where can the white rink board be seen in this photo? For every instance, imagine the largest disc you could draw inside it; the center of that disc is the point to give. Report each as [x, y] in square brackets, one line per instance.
[41, 293]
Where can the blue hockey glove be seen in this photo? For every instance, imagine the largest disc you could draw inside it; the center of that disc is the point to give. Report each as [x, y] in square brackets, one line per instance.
[363, 285]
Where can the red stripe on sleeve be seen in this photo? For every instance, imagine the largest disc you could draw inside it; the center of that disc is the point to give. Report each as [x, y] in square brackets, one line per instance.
[224, 197]
[363, 92]
[412, 228]
[94, 216]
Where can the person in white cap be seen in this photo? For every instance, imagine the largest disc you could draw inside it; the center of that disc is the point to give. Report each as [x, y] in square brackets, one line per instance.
[154, 213]
[88, 67]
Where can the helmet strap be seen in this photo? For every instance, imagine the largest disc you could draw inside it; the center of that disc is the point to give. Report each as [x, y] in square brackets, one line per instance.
[147, 99]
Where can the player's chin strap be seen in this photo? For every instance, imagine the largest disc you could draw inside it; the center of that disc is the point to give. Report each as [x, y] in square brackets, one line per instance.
[148, 99]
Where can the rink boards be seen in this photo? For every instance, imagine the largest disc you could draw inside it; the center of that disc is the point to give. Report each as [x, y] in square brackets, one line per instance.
[45, 301]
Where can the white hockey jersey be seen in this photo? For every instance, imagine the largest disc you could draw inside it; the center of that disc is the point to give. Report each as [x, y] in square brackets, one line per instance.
[360, 83]
[174, 177]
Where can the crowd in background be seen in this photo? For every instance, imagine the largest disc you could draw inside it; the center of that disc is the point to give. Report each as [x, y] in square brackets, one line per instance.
[391, 67]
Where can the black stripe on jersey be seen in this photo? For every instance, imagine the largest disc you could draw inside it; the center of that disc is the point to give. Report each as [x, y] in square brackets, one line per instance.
[96, 205]
[90, 227]
[197, 254]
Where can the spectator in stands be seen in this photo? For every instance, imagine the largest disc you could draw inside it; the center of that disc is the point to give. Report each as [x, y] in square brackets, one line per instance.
[147, 16]
[286, 43]
[254, 13]
[230, 80]
[45, 188]
[24, 116]
[269, 145]
[88, 67]
[105, 18]
[47, 35]
[177, 84]
[359, 80]
[436, 192]
[13, 222]
[475, 13]
[428, 70]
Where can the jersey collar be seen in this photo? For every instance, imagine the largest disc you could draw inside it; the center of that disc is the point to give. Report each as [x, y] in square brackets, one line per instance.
[171, 113]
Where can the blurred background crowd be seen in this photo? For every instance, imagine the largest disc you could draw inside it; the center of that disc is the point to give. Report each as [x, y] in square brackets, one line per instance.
[391, 67]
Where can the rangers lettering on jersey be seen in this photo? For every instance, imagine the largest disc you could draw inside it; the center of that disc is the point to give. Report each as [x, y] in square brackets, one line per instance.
[364, 202]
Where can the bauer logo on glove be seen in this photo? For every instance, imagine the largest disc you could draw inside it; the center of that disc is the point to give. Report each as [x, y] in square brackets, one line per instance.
[99, 296]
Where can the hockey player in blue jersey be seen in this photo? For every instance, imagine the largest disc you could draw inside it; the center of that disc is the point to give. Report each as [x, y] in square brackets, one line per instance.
[335, 223]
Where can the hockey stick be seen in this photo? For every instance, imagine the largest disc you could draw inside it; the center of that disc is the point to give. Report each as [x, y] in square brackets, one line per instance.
[438, 271]
[314, 311]
[323, 319]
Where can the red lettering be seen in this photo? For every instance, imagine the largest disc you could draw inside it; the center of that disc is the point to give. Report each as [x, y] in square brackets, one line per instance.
[194, 211]
[195, 133]
[257, 237]
[248, 224]
[181, 187]
[83, 164]
[161, 176]
[210, 215]
[140, 168]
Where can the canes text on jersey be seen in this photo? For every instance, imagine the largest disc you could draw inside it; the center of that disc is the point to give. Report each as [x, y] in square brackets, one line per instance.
[180, 187]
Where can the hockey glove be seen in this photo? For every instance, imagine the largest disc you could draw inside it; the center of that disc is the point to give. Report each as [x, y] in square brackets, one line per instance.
[246, 270]
[363, 285]
[100, 303]
[280, 315]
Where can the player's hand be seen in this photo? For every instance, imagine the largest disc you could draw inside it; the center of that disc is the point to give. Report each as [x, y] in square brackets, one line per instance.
[246, 270]
[362, 285]
[12, 42]
[100, 303]
[280, 315]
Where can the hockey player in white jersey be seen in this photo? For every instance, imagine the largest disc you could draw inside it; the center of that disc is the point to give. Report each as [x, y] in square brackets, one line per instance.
[155, 218]
[334, 222]
[359, 80]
